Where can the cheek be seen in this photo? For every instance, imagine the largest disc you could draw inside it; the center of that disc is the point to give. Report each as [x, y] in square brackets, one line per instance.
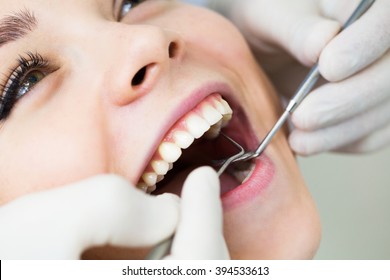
[229, 47]
[281, 224]
[48, 152]
[284, 228]
[203, 36]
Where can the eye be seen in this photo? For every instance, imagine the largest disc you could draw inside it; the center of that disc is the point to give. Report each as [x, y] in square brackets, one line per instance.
[30, 71]
[126, 6]
[30, 80]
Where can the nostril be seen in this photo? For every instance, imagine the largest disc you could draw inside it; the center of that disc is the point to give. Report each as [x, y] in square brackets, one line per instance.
[173, 49]
[139, 77]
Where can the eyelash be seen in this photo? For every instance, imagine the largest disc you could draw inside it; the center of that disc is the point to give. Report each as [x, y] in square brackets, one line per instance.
[122, 14]
[12, 88]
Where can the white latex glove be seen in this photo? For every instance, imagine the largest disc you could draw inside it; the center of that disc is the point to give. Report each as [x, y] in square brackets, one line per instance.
[61, 223]
[199, 234]
[350, 114]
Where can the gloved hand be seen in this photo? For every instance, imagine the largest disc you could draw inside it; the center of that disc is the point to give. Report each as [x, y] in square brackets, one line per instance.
[199, 234]
[61, 223]
[350, 114]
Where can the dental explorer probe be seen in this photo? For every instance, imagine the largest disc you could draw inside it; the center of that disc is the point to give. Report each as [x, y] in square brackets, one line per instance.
[303, 90]
[163, 248]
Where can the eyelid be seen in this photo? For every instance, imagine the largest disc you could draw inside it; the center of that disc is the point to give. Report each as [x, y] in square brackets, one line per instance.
[116, 9]
[37, 96]
[26, 64]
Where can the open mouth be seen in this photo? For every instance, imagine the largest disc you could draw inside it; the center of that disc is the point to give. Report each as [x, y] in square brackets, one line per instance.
[195, 141]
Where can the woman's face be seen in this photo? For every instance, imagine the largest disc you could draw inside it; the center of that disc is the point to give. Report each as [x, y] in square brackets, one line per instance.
[98, 92]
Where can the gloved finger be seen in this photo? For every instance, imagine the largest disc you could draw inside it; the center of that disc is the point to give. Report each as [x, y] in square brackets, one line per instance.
[199, 234]
[339, 101]
[25, 232]
[339, 10]
[61, 223]
[119, 214]
[297, 27]
[362, 43]
[373, 142]
[339, 135]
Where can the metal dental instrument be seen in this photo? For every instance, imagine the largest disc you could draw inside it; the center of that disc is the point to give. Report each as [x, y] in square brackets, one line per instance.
[233, 158]
[160, 250]
[303, 90]
[163, 248]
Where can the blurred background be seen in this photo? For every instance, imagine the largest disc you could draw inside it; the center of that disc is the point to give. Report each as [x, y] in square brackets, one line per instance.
[352, 195]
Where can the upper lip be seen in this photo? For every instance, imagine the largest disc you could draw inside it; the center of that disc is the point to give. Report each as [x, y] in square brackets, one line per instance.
[183, 107]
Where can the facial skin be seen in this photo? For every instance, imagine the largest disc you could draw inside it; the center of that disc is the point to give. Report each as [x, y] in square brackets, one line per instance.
[86, 117]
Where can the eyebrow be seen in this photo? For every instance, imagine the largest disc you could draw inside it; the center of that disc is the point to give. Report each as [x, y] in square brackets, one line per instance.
[16, 26]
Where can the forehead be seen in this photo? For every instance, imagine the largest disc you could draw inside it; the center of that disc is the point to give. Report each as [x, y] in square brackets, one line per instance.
[8, 7]
[53, 18]
[11, 6]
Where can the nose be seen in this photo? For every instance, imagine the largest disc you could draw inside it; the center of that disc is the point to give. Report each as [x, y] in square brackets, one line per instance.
[141, 56]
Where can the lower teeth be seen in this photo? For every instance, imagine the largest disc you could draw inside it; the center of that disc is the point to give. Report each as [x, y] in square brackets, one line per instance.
[244, 171]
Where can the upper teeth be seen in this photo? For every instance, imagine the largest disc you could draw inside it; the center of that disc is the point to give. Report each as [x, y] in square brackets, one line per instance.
[205, 119]
[183, 139]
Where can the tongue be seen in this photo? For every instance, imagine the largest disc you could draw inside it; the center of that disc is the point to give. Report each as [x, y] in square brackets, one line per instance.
[175, 185]
[228, 183]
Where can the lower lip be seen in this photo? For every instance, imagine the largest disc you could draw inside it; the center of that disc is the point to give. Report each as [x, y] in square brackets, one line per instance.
[259, 180]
